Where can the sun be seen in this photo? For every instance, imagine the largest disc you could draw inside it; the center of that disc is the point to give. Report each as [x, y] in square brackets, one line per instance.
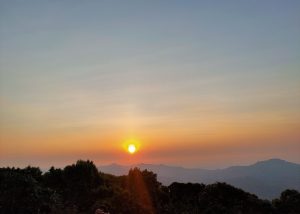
[131, 145]
[131, 148]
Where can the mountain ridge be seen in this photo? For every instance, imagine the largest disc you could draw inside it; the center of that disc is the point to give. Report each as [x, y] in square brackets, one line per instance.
[265, 178]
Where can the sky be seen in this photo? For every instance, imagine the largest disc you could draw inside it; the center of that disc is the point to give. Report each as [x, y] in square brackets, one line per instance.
[196, 83]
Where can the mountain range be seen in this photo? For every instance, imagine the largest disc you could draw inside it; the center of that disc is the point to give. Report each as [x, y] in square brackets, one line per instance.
[267, 179]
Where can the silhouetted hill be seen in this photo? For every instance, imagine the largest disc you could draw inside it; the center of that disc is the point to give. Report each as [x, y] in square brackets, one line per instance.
[81, 189]
[267, 179]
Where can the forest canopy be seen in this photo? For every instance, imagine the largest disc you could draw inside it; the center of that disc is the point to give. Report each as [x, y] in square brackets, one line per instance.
[81, 188]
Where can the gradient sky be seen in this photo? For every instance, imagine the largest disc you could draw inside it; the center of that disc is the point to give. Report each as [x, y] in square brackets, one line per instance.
[198, 83]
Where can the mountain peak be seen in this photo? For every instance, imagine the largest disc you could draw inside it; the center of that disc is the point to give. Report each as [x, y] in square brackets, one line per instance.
[271, 161]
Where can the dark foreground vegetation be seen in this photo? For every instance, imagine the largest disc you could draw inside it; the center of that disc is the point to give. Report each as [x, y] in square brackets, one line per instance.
[80, 188]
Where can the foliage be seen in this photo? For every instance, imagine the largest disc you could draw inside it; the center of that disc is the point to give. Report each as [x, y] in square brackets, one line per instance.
[20, 192]
[289, 202]
[80, 188]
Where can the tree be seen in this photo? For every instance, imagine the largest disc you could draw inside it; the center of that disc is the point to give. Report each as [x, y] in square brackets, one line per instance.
[289, 202]
[81, 179]
[146, 191]
[184, 197]
[54, 179]
[22, 193]
[80, 188]
[224, 198]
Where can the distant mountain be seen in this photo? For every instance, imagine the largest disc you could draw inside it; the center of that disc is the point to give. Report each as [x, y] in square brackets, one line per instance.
[267, 179]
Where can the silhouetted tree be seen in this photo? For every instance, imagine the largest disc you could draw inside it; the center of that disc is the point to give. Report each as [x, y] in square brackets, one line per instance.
[224, 198]
[80, 180]
[54, 179]
[289, 202]
[80, 188]
[184, 197]
[20, 192]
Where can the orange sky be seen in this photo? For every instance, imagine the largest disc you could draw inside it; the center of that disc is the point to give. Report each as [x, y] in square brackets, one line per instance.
[197, 84]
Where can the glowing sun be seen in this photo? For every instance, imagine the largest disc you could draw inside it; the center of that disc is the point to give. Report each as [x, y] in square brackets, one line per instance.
[131, 148]
[131, 145]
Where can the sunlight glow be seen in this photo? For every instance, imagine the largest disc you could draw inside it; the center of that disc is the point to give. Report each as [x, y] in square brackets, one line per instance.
[131, 148]
[131, 145]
